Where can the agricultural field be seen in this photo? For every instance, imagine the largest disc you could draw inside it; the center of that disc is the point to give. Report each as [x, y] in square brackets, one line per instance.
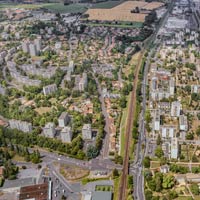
[122, 12]
[107, 5]
[54, 7]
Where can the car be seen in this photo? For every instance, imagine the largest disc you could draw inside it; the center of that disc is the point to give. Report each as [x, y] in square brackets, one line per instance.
[59, 159]
[63, 191]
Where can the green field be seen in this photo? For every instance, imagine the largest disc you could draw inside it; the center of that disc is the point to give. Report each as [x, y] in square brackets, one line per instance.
[106, 5]
[121, 25]
[54, 7]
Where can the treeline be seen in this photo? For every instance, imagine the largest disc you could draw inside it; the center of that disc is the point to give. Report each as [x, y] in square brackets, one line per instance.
[30, 140]
[10, 170]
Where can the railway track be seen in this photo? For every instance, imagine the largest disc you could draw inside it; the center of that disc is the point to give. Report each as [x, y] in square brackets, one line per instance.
[129, 125]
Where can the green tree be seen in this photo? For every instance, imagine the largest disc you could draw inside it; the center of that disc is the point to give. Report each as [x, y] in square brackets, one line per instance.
[115, 173]
[92, 152]
[159, 152]
[147, 162]
[159, 140]
[194, 188]
[198, 131]
[168, 181]
[148, 195]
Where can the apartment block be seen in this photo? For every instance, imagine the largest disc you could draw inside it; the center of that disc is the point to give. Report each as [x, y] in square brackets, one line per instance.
[183, 123]
[174, 148]
[49, 130]
[49, 89]
[87, 132]
[175, 109]
[83, 82]
[63, 120]
[156, 120]
[20, 125]
[66, 134]
[33, 50]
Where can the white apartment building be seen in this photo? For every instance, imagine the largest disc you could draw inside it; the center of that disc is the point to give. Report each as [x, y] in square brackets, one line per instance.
[87, 132]
[49, 130]
[183, 123]
[49, 89]
[20, 125]
[175, 109]
[174, 148]
[63, 120]
[66, 134]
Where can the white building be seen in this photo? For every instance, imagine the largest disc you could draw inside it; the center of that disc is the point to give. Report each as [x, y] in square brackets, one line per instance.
[183, 123]
[71, 66]
[168, 131]
[171, 86]
[63, 120]
[38, 44]
[83, 82]
[175, 109]
[33, 50]
[87, 132]
[66, 134]
[174, 148]
[156, 120]
[20, 125]
[195, 89]
[49, 89]
[25, 46]
[49, 130]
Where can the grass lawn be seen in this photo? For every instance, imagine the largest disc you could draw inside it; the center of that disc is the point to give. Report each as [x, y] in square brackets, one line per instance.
[55, 7]
[108, 4]
[183, 198]
[42, 110]
[123, 127]
[88, 180]
[155, 164]
[18, 158]
[116, 188]
[73, 8]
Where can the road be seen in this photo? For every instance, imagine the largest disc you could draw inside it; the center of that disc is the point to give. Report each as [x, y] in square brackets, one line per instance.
[94, 164]
[105, 147]
[137, 167]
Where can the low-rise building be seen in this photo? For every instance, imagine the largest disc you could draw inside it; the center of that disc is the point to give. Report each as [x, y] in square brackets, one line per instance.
[49, 130]
[36, 192]
[87, 132]
[66, 134]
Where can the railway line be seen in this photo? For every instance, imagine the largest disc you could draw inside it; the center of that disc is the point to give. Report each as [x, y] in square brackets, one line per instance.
[128, 135]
